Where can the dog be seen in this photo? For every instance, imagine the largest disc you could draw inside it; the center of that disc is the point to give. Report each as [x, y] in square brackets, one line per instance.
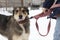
[16, 26]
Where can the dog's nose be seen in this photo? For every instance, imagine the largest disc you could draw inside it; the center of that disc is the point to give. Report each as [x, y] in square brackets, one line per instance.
[20, 16]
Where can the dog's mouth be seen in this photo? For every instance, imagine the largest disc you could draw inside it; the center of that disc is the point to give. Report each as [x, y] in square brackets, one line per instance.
[22, 20]
[19, 20]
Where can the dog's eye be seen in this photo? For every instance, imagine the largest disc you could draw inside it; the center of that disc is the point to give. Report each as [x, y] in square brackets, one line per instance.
[23, 10]
[16, 10]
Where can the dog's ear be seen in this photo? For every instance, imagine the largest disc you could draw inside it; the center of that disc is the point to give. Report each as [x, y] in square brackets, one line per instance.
[27, 10]
[14, 10]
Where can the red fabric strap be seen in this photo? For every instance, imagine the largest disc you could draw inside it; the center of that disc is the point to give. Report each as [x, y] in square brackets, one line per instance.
[48, 29]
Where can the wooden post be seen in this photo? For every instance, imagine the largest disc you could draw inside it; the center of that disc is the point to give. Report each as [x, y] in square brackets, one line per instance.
[14, 4]
[6, 5]
[0, 4]
[22, 3]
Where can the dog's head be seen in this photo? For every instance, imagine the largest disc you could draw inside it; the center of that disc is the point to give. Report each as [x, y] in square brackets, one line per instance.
[20, 13]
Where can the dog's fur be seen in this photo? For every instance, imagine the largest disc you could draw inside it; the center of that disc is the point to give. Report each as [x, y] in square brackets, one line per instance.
[16, 27]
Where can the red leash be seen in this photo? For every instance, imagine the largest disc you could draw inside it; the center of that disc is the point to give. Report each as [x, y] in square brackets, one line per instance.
[37, 17]
[43, 15]
[48, 29]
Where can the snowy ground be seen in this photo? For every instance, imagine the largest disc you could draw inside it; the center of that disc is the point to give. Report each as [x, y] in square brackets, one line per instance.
[43, 22]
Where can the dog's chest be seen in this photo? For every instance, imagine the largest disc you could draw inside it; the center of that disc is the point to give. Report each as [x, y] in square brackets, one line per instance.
[23, 36]
[21, 25]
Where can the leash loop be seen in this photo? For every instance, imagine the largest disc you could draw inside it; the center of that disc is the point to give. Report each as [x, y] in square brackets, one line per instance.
[48, 29]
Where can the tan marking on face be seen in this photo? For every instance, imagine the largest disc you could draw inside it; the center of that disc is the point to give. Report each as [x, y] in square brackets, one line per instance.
[16, 16]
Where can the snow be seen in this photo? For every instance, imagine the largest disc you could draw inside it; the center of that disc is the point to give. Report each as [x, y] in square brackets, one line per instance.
[4, 12]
